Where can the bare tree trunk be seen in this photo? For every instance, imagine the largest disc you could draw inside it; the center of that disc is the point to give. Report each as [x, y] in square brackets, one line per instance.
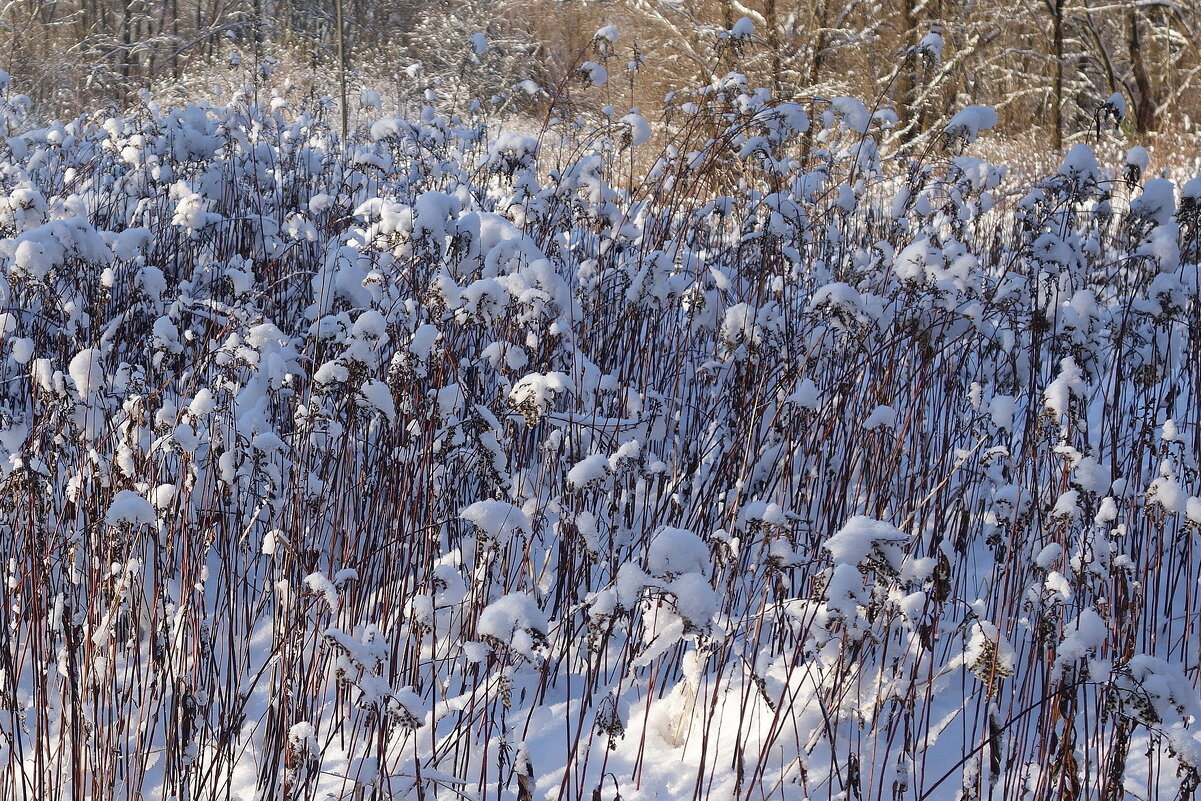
[772, 20]
[907, 80]
[126, 47]
[258, 26]
[726, 62]
[214, 16]
[340, 32]
[1144, 104]
[85, 20]
[821, 14]
[175, 43]
[817, 62]
[140, 30]
[1057, 99]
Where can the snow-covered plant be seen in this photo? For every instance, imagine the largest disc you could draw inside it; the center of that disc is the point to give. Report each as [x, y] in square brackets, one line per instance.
[723, 454]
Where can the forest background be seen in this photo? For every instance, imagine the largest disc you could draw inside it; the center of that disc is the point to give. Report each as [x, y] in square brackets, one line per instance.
[1048, 66]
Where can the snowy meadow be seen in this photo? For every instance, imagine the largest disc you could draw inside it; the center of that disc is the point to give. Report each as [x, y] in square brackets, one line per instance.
[729, 455]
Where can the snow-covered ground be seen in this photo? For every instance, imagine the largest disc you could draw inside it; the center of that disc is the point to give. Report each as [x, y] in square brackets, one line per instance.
[646, 461]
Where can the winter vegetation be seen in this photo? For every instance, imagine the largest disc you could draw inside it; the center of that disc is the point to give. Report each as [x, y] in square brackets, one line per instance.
[1046, 66]
[754, 448]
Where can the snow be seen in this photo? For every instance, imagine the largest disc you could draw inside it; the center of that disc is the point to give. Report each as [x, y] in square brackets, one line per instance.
[1058, 584]
[640, 128]
[968, 122]
[331, 372]
[191, 210]
[87, 372]
[1091, 475]
[1049, 555]
[130, 508]
[839, 297]
[675, 551]
[202, 403]
[1067, 506]
[1080, 165]
[302, 737]
[912, 262]
[369, 99]
[1192, 508]
[497, 520]
[1002, 410]
[607, 33]
[318, 584]
[860, 536]
[806, 395]
[1162, 686]
[378, 395]
[989, 654]
[595, 73]
[742, 28]
[535, 394]
[881, 417]
[1083, 637]
[1067, 385]
[1108, 511]
[1138, 156]
[588, 470]
[1117, 102]
[1166, 491]
[932, 44]
[695, 600]
[739, 324]
[162, 495]
[515, 621]
[770, 513]
[845, 593]
[423, 341]
[853, 113]
[626, 454]
[1157, 201]
[21, 349]
[510, 150]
